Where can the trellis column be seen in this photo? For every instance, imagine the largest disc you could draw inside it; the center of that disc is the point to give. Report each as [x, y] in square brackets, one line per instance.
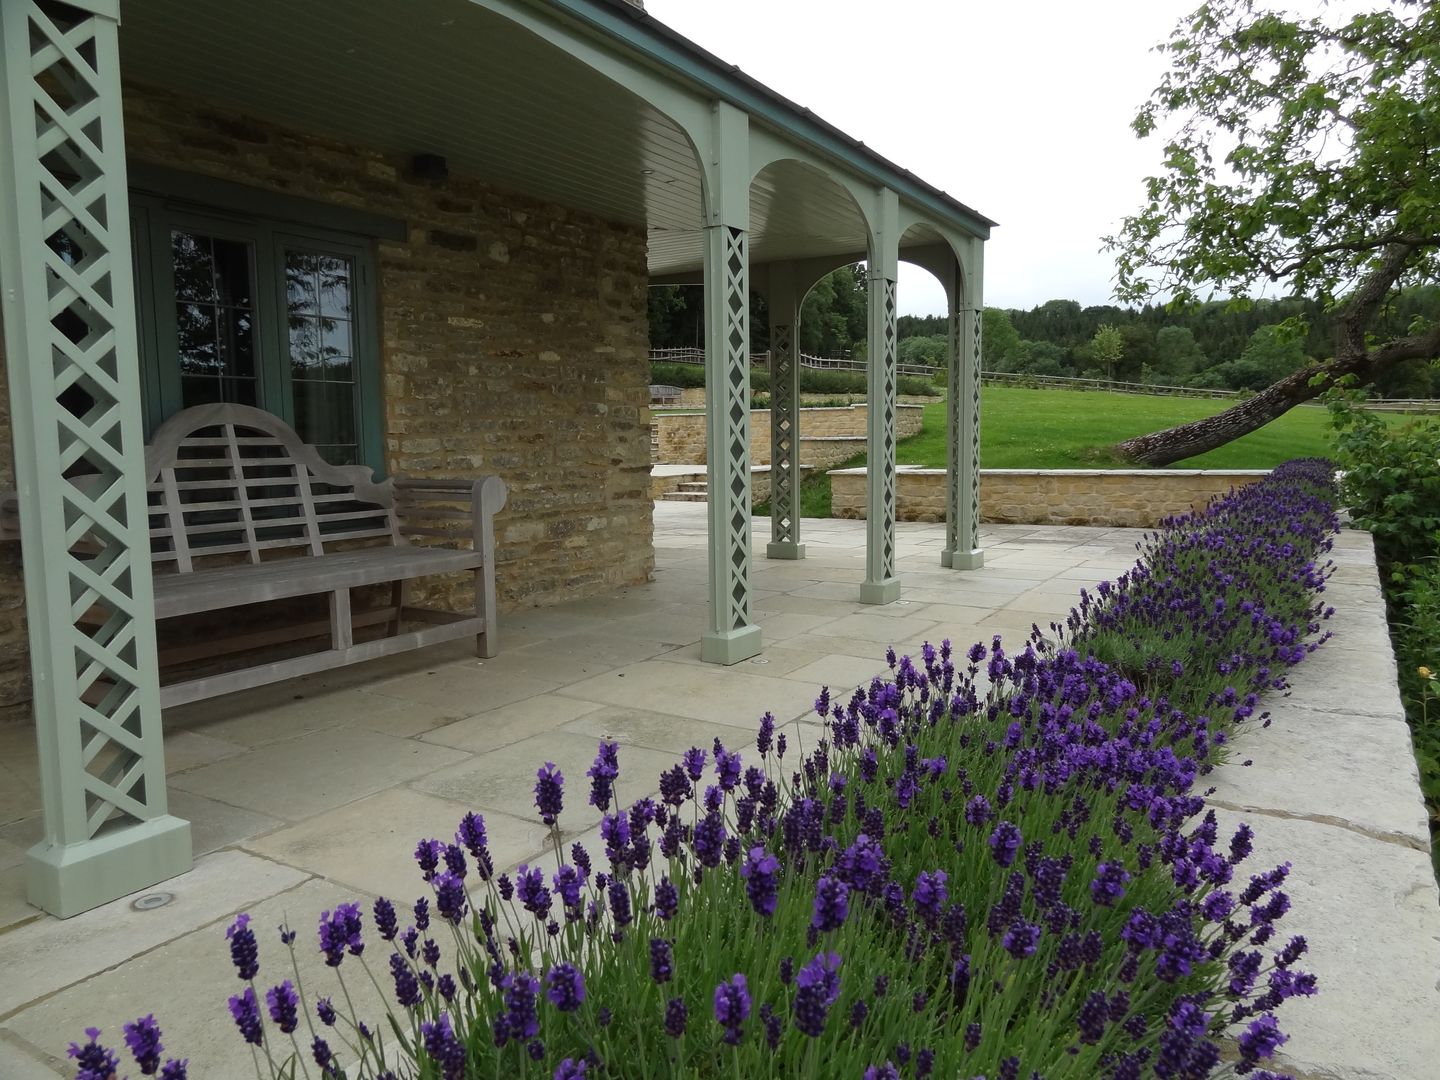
[962, 428]
[731, 636]
[69, 313]
[881, 586]
[784, 304]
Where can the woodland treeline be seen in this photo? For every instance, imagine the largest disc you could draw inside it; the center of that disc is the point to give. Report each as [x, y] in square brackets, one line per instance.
[1218, 344]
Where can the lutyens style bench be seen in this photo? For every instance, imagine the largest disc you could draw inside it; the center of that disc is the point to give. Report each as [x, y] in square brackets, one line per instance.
[243, 512]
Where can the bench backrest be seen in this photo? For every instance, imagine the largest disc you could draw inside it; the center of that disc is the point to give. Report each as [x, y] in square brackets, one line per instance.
[229, 483]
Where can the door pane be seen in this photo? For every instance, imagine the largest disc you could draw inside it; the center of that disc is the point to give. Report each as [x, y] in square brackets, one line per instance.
[319, 289]
[214, 318]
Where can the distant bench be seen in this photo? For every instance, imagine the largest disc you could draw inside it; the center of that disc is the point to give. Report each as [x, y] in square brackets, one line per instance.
[664, 395]
[243, 512]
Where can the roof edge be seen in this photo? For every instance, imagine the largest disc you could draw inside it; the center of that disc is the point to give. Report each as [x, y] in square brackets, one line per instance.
[677, 54]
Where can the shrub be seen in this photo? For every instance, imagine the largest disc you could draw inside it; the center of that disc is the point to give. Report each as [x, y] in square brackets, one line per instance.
[812, 380]
[988, 863]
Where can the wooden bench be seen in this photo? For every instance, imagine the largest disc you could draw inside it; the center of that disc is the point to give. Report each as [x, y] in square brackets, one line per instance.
[661, 394]
[243, 512]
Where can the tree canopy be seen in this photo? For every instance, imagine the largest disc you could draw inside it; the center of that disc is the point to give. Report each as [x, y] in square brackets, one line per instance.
[1304, 158]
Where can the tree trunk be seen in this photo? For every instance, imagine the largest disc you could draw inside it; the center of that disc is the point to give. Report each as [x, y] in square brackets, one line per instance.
[1198, 436]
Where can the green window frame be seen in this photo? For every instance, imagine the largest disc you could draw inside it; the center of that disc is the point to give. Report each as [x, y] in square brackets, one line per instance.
[280, 327]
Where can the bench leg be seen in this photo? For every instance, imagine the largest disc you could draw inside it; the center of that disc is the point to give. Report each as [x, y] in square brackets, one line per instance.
[397, 601]
[342, 630]
[486, 644]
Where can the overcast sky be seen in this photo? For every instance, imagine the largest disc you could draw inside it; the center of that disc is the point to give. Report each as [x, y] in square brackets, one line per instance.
[1021, 110]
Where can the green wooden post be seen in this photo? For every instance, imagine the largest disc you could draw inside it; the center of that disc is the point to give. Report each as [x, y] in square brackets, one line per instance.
[962, 414]
[881, 585]
[785, 477]
[731, 636]
[72, 360]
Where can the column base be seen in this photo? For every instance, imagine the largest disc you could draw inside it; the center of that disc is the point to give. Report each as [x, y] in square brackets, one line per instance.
[784, 549]
[730, 647]
[963, 560]
[66, 879]
[880, 592]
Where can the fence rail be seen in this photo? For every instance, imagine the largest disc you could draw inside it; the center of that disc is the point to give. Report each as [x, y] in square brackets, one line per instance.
[762, 359]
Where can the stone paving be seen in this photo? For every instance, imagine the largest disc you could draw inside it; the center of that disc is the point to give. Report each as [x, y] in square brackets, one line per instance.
[312, 792]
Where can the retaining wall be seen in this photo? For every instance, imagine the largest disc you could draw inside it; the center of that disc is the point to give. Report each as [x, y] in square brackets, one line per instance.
[1117, 497]
[681, 436]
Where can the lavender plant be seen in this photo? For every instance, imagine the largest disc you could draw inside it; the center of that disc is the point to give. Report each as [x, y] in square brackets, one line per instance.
[989, 865]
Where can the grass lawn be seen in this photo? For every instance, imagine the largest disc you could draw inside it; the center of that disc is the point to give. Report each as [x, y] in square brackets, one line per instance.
[1071, 429]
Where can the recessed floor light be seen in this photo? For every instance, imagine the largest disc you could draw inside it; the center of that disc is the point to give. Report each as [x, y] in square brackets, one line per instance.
[151, 901]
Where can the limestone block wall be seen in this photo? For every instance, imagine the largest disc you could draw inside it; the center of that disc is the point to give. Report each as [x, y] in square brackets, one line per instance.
[681, 436]
[513, 341]
[1118, 497]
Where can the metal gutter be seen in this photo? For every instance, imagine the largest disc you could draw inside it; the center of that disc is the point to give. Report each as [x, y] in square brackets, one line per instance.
[678, 55]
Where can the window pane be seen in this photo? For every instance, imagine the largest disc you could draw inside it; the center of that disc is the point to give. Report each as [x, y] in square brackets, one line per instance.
[195, 339]
[237, 342]
[320, 293]
[194, 268]
[232, 272]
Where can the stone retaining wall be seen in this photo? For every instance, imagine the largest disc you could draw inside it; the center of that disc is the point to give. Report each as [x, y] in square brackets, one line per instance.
[1118, 497]
[681, 436]
[693, 397]
[513, 340]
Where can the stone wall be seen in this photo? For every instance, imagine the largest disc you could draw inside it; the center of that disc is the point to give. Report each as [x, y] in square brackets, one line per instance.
[513, 341]
[681, 436]
[1118, 497]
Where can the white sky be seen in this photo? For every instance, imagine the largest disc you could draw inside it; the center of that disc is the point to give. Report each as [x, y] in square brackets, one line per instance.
[1018, 108]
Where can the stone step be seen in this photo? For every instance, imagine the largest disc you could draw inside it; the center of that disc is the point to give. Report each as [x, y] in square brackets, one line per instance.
[684, 496]
[693, 486]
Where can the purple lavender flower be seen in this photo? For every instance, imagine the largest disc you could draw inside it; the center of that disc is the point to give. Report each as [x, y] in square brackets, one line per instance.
[603, 774]
[732, 1007]
[245, 1010]
[548, 792]
[565, 987]
[320, 1050]
[143, 1039]
[675, 1016]
[667, 899]
[766, 737]
[817, 988]
[832, 904]
[570, 1069]
[727, 768]
[444, 1048]
[339, 932]
[662, 966]
[284, 1006]
[930, 893]
[175, 1070]
[407, 987]
[1261, 1039]
[1005, 843]
[1021, 939]
[709, 840]
[471, 835]
[1109, 883]
[326, 1011]
[450, 897]
[427, 854]
[888, 1071]
[422, 914]
[531, 890]
[761, 873]
[244, 950]
[521, 992]
[567, 884]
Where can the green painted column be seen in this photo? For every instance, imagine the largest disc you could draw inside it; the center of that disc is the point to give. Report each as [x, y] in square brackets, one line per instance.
[881, 585]
[962, 549]
[731, 636]
[69, 314]
[785, 476]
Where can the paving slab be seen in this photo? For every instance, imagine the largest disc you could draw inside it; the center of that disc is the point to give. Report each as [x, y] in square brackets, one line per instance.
[1371, 915]
[504, 780]
[1357, 772]
[264, 719]
[462, 689]
[369, 844]
[491, 730]
[187, 981]
[53, 953]
[317, 772]
[20, 1061]
[1368, 688]
[726, 696]
[668, 734]
[574, 657]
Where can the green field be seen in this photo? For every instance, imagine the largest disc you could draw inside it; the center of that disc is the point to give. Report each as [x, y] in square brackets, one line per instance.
[1072, 429]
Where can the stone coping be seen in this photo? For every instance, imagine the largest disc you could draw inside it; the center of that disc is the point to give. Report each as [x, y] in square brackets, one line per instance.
[860, 471]
[1331, 786]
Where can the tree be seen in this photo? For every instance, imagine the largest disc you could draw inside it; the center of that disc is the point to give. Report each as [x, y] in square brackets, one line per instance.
[998, 339]
[1106, 347]
[1177, 355]
[1328, 185]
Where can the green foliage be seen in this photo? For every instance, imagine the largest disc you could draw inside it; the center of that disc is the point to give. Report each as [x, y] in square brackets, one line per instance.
[681, 375]
[834, 315]
[1177, 355]
[999, 340]
[812, 380]
[1106, 347]
[928, 351]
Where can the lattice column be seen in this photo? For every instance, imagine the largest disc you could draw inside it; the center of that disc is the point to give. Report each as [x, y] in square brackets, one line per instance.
[732, 637]
[881, 586]
[967, 555]
[69, 316]
[954, 438]
[784, 416]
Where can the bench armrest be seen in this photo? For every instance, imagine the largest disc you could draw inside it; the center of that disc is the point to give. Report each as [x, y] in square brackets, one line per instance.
[457, 509]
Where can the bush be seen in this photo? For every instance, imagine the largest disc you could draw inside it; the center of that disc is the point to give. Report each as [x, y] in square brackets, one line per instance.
[812, 380]
[1001, 874]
